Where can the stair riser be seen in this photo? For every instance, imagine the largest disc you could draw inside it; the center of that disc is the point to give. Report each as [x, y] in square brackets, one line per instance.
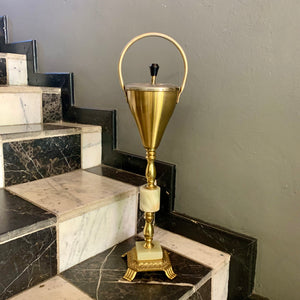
[27, 261]
[30, 155]
[3, 73]
[52, 107]
[20, 108]
[29, 160]
[93, 232]
[13, 69]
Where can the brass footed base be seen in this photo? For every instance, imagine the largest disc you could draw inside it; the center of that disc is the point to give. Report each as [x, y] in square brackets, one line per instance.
[135, 266]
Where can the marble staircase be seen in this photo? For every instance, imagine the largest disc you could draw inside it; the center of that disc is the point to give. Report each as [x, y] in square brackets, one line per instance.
[54, 212]
[66, 218]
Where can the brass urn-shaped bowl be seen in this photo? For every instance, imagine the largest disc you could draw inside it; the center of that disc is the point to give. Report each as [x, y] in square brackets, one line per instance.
[152, 104]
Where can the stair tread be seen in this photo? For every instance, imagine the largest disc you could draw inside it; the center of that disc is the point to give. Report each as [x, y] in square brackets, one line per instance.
[201, 253]
[101, 277]
[117, 174]
[34, 131]
[19, 217]
[28, 89]
[55, 288]
[71, 194]
[43, 130]
[12, 55]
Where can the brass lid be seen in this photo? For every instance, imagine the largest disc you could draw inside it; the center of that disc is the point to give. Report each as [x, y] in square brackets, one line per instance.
[158, 87]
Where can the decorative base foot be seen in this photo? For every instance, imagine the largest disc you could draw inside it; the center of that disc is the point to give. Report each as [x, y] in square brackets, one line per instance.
[135, 266]
[129, 275]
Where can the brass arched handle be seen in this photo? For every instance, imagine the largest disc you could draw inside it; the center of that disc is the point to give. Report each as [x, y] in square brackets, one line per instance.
[154, 34]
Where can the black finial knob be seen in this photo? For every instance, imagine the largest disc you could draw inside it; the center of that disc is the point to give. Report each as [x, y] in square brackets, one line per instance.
[154, 69]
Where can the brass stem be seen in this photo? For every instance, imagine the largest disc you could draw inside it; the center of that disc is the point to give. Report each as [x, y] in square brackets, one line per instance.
[148, 230]
[149, 216]
[150, 170]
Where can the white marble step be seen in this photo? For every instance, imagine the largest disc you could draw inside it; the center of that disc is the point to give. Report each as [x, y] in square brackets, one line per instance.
[93, 212]
[13, 68]
[34, 151]
[26, 104]
[55, 288]
[217, 260]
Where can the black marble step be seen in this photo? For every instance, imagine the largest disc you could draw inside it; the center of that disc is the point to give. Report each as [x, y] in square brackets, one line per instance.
[27, 245]
[19, 217]
[27, 261]
[117, 174]
[101, 278]
[3, 71]
[52, 106]
[36, 151]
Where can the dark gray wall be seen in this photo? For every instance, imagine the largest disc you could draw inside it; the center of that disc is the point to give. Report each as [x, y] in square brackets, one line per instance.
[235, 134]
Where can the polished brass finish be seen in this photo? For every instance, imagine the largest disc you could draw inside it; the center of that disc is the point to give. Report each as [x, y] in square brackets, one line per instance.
[152, 111]
[135, 266]
[154, 34]
[150, 169]
[148, 230]
[152, 106]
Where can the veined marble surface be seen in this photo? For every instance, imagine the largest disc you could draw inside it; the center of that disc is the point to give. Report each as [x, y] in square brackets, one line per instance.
[52, 107]
[95, 231]
[84, 127]
[12, 55]
[37, 136]
[71, 194]
[25, 132]
[101, 277]
[35, 159]
[20, 108]
[27, 261]
[215, 259]
[15, 89]
[16, 68]
[19, 217]
[91, 149]
[55, 288]
[50, 90]
[22, 128]
[16, 71]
